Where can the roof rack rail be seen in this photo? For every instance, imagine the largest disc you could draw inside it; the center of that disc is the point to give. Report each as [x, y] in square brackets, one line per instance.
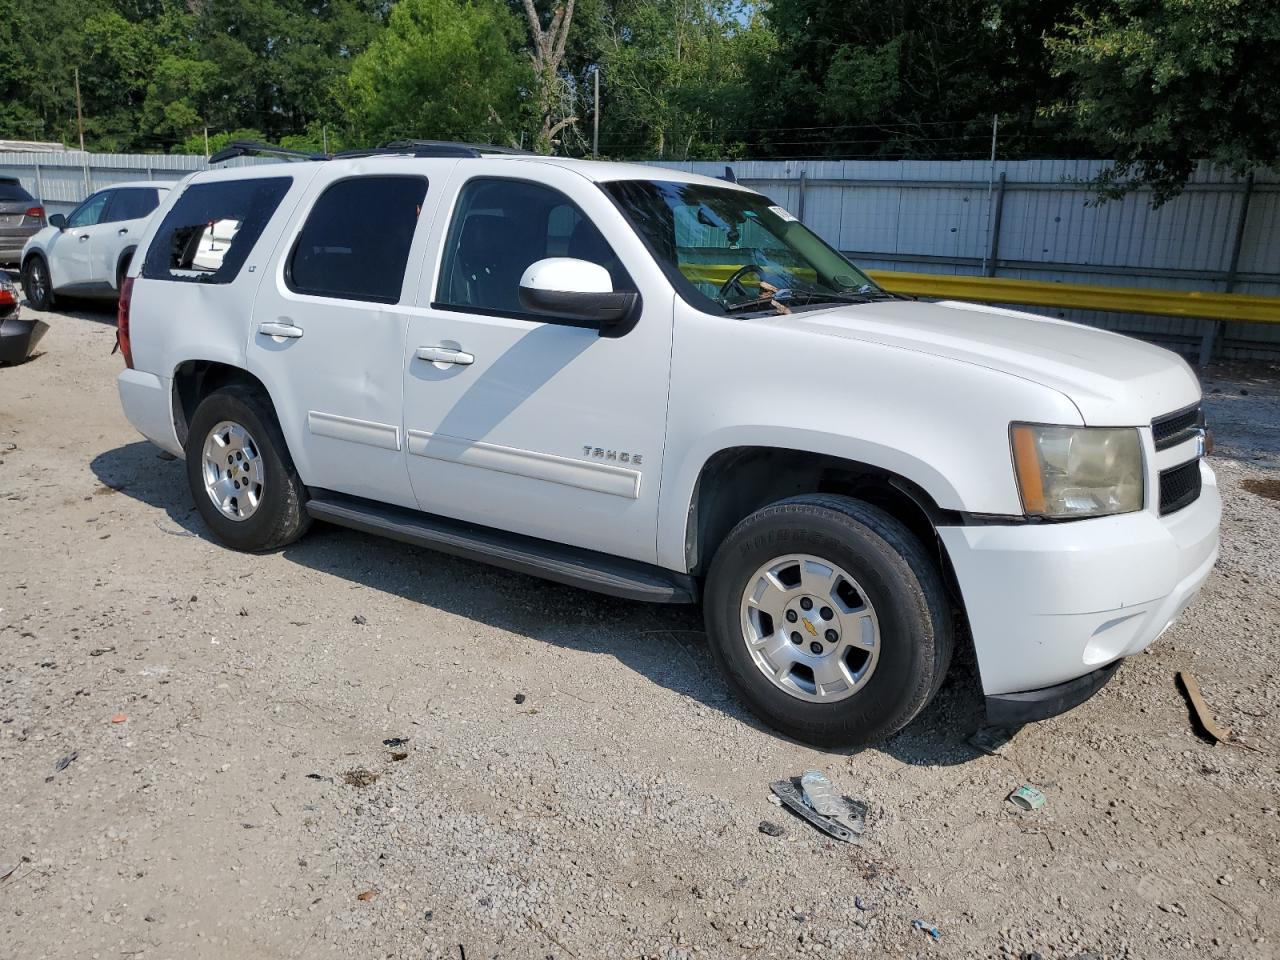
[246, 148]
[431, 148]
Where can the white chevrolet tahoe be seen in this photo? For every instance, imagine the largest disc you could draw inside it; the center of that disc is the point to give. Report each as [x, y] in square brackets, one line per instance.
[665, 387]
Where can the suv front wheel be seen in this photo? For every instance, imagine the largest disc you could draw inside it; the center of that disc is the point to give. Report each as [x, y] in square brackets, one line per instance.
[829, 618]
[240, 472]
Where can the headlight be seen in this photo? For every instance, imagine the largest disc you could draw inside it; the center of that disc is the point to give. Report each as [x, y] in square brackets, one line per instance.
[1077, 471]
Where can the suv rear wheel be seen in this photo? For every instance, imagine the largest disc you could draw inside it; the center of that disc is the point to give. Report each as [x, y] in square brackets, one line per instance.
[36, 283]
[240, 472]
[829, 619]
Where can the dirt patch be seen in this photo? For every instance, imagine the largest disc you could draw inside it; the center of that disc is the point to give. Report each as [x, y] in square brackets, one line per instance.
[1269, 488]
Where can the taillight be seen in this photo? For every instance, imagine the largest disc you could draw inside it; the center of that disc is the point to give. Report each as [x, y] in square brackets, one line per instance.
[122, 321]
[35, 213]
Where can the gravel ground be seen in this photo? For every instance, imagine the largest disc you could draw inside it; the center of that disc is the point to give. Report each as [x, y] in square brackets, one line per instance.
[179, 723]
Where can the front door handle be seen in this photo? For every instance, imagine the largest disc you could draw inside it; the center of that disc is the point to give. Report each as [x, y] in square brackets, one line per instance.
[83, 237]
[271, 329]
[445, 355]
[122, 231]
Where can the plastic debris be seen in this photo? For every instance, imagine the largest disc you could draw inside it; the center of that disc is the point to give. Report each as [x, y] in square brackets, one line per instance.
[928, 928]
[119, 718]
[1203, 715]
[848, 818]
[769, 828]
[65, 762]
[395, 741]
[1027, 797]
[359, 620]
[991, 740]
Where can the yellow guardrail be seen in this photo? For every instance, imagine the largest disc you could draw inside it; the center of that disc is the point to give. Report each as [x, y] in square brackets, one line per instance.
[1081, 296]
[1041, 293]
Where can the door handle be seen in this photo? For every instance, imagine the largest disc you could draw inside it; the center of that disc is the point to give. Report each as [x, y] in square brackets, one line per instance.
[83, 237]
[122, 231]
[272, 329]
[445, 355]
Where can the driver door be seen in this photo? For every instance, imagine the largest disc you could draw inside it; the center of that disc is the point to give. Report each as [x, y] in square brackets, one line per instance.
[71, 252]
[527, 422]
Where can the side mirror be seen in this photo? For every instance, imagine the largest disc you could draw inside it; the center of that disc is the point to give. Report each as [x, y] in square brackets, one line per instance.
[58, 220]
[578, 290]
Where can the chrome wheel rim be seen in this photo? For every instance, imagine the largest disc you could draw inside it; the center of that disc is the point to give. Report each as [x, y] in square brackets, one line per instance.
[810, 628]
[234, 473]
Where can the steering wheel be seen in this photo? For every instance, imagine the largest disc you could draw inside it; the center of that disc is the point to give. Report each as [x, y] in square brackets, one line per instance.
[736, 279]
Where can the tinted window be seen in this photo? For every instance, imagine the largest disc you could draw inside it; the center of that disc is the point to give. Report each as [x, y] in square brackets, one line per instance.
[11, 192]
[356, 240]
[132, 203]
[502, 226]
[89, 212]
[208, 233]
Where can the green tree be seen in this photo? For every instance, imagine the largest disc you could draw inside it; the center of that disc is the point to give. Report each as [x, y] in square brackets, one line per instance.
[449, 69]
[676, 76]
[917, 78]
[1160, 84]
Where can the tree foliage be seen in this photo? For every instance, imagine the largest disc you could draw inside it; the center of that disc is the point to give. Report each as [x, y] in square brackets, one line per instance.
[448, 69]
[1154, 84]
[1160, 84]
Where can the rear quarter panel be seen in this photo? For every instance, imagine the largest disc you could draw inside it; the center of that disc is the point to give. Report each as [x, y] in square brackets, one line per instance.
[172, 322]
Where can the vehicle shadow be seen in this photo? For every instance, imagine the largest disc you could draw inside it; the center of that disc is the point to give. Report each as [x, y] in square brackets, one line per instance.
[664, 644]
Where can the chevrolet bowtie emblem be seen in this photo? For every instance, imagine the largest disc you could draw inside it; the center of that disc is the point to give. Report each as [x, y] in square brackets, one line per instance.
[813, 631]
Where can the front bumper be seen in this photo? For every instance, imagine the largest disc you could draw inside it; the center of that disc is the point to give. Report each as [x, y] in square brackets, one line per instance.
[1051, 602]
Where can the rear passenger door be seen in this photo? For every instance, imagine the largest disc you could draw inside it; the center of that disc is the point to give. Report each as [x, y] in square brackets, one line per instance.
[327, 333]
[125, 219]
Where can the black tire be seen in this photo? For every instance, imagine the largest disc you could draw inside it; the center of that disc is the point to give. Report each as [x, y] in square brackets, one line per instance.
[37, 283]
[280, 516]
[901, 581]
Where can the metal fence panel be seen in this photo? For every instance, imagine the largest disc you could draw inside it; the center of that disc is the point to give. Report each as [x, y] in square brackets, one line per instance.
[938, 217]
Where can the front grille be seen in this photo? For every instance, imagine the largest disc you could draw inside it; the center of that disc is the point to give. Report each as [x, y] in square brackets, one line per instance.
[1179, 487]
[1175, 428]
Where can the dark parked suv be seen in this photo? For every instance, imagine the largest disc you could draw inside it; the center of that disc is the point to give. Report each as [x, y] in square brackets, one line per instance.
[21, 216]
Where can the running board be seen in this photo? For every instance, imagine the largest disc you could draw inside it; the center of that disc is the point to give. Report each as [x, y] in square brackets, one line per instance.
[574, 566]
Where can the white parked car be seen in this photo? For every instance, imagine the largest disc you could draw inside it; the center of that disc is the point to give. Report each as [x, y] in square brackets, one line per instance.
[665, 387]
[85, 253]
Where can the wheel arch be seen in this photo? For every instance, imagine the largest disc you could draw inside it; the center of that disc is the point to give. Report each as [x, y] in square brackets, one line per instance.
[122, 263]
[764, 474]
[193, 380]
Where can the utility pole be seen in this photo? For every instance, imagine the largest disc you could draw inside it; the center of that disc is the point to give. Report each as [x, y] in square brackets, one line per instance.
[324, 132]
[991, 176]
[595, 119]
[206, 143]
[79, 110]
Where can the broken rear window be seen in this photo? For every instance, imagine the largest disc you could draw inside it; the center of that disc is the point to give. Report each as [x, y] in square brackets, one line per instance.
[208, 234]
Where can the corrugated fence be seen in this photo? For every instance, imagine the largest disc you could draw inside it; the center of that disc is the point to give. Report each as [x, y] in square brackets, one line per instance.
[1028, 220]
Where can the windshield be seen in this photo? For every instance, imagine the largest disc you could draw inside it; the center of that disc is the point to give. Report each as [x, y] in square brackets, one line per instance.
[731, 250]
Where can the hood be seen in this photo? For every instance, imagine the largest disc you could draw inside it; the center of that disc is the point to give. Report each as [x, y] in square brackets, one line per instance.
[1112, 379]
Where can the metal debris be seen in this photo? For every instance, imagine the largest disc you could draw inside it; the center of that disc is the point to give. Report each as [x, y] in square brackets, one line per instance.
[848, 822]
[1027, 797]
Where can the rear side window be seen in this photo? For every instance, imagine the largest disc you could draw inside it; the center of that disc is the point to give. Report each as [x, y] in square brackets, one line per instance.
[355, 243]
[11, 192]
[132, 203]
[208, 234]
